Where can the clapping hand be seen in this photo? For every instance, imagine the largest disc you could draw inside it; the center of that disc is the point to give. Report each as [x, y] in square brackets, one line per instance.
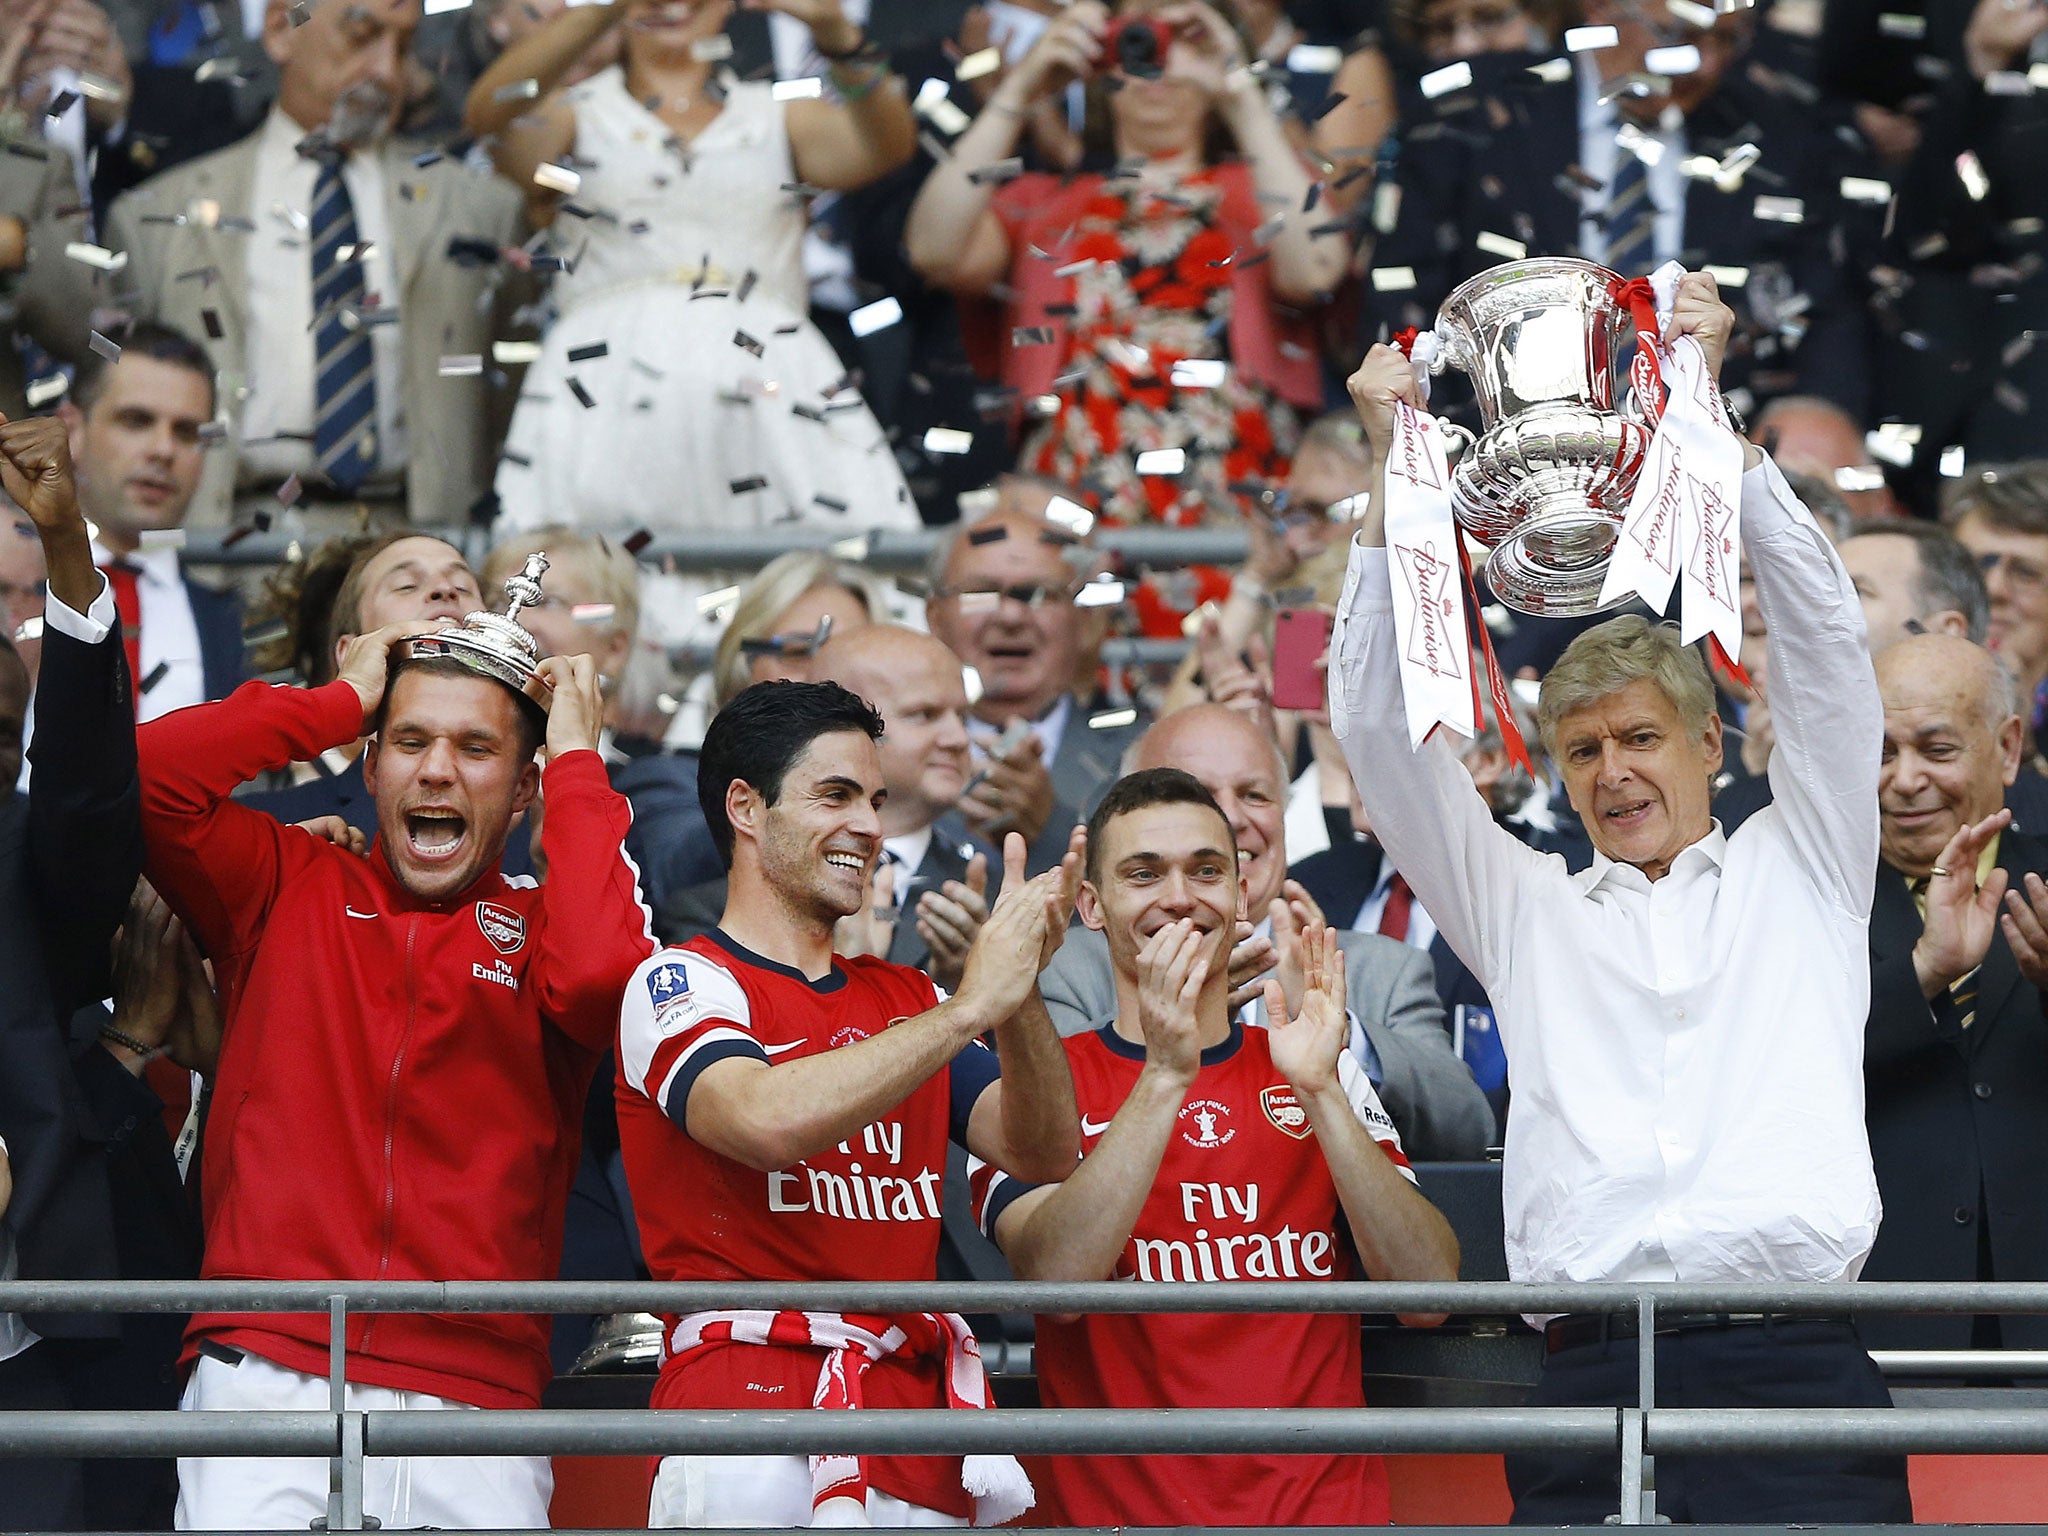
[1961, 915]
[163, 996]
[1172, 967]
[1307, 1042]
[1023, 931]
[950, 918]
[2025, 922]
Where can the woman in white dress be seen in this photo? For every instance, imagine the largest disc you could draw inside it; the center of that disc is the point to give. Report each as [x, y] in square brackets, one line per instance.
[682, 386]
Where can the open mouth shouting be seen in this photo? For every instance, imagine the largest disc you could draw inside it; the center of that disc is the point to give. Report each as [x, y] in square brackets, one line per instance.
[435, 834]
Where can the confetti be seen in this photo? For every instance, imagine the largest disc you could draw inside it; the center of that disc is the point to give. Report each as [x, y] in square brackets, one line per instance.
[830, 503]
[1952, 460]
[1584, 39]
[1693, 14]
[1864, 189]
[1031, 335]
[556, 178]
[210, 318]
[1110, 719]
[2008, 82]
[997, 172]
[983, 61]
[1901, 25]
[1070, 515]
[935, 104]
[1500, 245]
[588, 354]
[100, 88]
[96, 256]
[877, 316]
[1682, 59]
[591, 613]
[1441, 82]
[1728, 277]
[288, 493]
[713, 49]
[1393, 279]
[1386, 206]
[61, 103]
[1102, 592]
[105, 347]
[709, 602]
[40, 392]
[947, 440]
[750, 484]
[1163, 461]
[511, 354]
[461, 365]
[1552, 71]
[1970, 171]
[162, 538]
[980, 536]
[809, 88]
[747, 343]
[518, 90]
[576, 388]
[1199, 373]
[1780, 210]
[30, 629]
[1314, 59]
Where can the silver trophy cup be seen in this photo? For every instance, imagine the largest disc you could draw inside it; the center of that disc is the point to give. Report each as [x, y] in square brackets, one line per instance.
[1547, 482]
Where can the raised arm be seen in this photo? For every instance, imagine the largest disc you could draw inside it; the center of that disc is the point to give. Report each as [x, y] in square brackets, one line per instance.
[596, 930]
[865, 135]
[530, 126]
[1465, 869]
[722, 1090]
[951, 237]
[1077, 1230]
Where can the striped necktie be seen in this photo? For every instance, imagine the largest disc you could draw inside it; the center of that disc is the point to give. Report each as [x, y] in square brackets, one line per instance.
[1631, 216]
[345, 384]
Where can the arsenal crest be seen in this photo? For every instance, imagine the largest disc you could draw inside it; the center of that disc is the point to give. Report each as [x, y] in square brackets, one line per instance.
[505, 928]
[1285, 1111]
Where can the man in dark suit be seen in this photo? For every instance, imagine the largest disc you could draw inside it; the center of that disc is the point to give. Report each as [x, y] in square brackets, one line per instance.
[1602, 158]
[1956, 1051]
[138, 436]
[1002, 599]
[931, 882]
[69, 856]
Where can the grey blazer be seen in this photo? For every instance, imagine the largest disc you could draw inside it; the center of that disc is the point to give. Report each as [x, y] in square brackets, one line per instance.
[1391, 990]
[1089, 761]
[36, 188]
[443, 304]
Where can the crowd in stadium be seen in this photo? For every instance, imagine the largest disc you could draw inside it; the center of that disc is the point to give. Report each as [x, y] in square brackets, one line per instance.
[422, 865]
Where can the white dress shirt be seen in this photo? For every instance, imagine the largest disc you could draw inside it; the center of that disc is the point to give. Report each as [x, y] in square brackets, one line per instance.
[1686, 1055]
[170, 633]
[279, 355]
[1421, 926]
[1598, 154]
[909, 849]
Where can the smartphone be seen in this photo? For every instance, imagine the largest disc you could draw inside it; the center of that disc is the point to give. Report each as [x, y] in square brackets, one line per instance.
[1300, 637]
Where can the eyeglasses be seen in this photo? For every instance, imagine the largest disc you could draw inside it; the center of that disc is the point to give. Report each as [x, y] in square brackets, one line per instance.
[1033, 595]
[790, 645]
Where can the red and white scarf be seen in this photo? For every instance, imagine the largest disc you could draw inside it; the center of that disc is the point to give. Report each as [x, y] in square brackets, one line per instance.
[853, 1342]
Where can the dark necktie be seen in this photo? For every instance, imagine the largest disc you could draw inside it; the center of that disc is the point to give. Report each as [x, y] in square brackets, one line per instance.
[1631, 216]
[345, 384]
[1394, 915]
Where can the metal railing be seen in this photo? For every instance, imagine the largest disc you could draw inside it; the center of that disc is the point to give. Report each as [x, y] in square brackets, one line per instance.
[890, 550]
[345, 1437]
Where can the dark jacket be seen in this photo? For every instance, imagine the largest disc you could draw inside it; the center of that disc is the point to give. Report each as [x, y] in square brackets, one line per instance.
[1958, 1119]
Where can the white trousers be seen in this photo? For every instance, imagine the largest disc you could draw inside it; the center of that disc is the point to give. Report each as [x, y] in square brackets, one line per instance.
[288, 1493]
[759, 1490]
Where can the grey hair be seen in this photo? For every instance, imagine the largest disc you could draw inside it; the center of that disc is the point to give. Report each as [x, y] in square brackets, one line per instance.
[1949, 577]
[1609, 657]
[2000, 699]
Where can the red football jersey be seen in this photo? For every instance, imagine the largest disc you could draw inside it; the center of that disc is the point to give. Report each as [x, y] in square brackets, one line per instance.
[867, 1209]
[1243, 1193]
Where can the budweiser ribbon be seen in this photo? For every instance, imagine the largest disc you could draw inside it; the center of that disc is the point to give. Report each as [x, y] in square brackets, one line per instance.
[1496, 682]
[1639, 296]
[1424, 550]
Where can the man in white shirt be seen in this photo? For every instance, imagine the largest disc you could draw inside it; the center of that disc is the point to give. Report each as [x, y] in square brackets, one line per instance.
[1683, 1020]
[137, 426]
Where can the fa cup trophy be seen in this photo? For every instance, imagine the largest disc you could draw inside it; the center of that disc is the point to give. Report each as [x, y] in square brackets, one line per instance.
[1545, 485]
[497, 645]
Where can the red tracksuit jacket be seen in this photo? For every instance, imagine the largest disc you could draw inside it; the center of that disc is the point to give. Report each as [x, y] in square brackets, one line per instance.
[401, 1084]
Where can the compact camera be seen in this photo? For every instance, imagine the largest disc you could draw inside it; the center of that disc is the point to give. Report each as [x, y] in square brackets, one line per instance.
[1136, 45]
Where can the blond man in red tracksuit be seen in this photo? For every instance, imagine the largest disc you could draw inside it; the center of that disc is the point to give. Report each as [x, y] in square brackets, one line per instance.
[409, 1041]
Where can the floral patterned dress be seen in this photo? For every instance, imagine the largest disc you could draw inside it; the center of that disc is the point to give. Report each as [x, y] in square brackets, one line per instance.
[1157, 292]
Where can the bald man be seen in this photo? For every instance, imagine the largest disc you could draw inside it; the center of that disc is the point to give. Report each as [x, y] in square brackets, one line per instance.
[932, 879]
[1956, 1050]
[1813, 436]
[1397, 1022]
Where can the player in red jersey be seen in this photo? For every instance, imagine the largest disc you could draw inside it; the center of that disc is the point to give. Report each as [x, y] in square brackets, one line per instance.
[1214, 1152]
[784, 1114]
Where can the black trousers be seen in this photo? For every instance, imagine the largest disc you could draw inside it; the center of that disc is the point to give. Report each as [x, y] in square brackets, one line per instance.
[1778, 1364]
[38, 1494]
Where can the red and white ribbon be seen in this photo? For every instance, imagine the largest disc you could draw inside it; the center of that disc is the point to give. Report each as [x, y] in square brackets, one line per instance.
[1430, 617]
[1682, 526]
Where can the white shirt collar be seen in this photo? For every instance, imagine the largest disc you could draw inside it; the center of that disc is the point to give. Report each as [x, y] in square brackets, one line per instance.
[910, 848]
[1710, 852]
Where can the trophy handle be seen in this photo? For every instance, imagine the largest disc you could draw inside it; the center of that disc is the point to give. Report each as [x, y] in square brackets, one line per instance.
[1464, 436]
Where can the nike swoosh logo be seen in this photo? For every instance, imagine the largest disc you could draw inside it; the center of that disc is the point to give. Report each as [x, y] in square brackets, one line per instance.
[1093, 1127]
[352, 912]
[788, 1045]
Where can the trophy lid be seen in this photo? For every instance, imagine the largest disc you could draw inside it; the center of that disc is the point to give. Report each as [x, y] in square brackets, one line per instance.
[496, 645]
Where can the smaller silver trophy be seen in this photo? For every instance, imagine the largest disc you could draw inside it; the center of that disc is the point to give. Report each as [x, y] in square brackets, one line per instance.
[1549, 479]
[497, 645]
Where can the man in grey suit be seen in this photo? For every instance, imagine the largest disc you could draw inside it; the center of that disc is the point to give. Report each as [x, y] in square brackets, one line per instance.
[931, 881]
[1003, 599]
[314, 256]
[1397, 1023]
[40, 213]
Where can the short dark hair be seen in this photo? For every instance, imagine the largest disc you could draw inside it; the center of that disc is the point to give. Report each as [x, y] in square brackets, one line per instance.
[144, 338]
[761, 733]
[1949, 578]
[1148, 787]
[533, 720]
